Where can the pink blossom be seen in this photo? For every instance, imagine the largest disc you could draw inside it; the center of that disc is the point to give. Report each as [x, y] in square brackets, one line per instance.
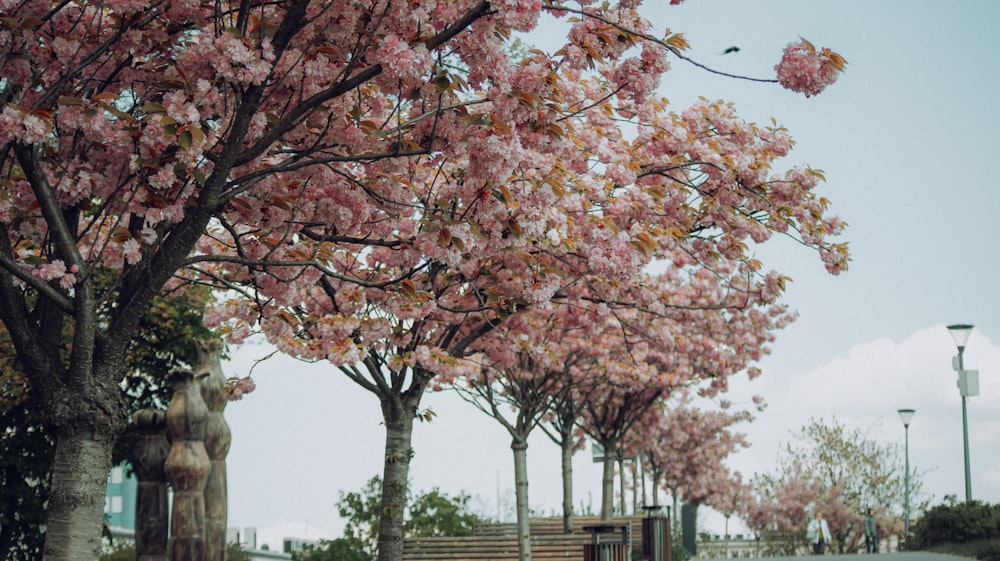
[403, 64]
[27, 128]
[236, 388]
[132, 251]
[803, 69]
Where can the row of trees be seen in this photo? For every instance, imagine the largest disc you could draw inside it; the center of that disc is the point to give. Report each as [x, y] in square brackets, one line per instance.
[379, 185]
[825, 467]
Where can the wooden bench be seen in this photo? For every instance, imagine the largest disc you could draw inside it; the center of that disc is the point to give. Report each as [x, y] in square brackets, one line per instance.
[554, 526]
[471, 548]
[499, 541]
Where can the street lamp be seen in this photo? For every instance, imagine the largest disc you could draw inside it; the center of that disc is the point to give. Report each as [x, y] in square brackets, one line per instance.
[906, 415]
[960, 333]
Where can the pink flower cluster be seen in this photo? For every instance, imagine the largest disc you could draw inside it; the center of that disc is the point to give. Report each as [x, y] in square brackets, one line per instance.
[48, 271]
[17, 124]
[806, 70]
[404, 65]
[236, 388]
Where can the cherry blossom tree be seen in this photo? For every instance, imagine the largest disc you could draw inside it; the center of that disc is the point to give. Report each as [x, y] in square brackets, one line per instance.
[533, 360]
[732, 497]
[684, 447]
[524, 366]
[561, 427]
[850, 473]
[699, 350]
[784, 503]
[344, 169]
[411, 309]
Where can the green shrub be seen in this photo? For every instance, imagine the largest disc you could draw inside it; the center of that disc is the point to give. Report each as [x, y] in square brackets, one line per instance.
[983, 550]
[677, 551]
[125, 551]
[957, 523]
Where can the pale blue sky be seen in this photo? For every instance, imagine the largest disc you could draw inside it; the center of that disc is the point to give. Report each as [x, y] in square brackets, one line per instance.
[909, 141]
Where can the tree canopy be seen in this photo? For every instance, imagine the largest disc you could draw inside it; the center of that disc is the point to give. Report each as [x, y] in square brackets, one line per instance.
[376, 184]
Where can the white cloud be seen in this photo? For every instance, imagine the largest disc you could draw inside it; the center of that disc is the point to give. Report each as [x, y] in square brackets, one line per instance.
[864, 390]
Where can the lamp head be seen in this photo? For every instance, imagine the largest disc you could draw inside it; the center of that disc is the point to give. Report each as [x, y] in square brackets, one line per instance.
[906, 415]
[960, 334]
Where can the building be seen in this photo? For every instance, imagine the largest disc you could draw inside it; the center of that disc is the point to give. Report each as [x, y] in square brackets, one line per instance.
[119, 499]
[292, 545]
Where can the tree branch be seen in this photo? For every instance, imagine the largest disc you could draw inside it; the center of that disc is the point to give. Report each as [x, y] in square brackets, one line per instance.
[294, 115]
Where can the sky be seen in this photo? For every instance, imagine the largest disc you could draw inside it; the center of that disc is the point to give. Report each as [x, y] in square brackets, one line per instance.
[908, 139]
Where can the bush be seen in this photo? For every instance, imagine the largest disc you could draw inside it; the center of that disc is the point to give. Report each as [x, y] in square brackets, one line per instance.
[677, 551]
[983, 550]
[957, 523]
[125, 551]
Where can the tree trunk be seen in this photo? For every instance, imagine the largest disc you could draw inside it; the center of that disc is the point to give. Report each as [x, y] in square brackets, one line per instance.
[621, 483]
[642, 479]
[86, 419]
[635, 487]
[76, 501]
[520, 448]
[567, 482]
[608, 481]
[656, 487]
[677, 514]
[398, 414]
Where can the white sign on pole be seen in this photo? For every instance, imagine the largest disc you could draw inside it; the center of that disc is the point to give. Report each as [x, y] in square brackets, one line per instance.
[968, 383]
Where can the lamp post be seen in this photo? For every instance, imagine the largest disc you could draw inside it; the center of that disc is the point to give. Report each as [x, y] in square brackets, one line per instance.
[906, 415]
[960, 334]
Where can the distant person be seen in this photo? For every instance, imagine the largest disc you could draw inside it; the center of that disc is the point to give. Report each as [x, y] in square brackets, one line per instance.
[818, 533]
[871, 531]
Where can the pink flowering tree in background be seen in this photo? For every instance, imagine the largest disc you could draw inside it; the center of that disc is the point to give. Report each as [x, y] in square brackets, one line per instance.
[608, 419]
[375, 184]
[732, 497]
[684, 449]
[529, 363]
[698, 349]
[586, 341]
[850, 472]
[522, 367]
[783, 506]
[560, 423]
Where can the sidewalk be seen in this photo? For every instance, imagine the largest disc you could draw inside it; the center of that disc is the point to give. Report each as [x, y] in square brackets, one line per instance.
[896, 556]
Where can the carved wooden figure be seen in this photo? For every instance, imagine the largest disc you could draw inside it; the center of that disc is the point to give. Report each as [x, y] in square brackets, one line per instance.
[217, 441]
[187, 467]
[152, 509]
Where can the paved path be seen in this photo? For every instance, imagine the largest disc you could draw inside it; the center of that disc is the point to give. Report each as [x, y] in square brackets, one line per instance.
[899, 556]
